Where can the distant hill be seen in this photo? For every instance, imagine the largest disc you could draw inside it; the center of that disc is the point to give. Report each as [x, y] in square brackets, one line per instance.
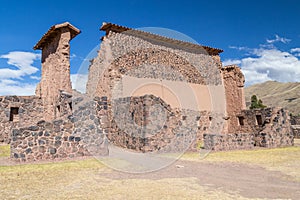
[272, 93]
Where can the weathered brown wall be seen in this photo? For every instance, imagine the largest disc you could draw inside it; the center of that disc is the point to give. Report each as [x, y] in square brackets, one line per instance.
[234, 91]
[30, 112]
[55, 71]
[122, 53]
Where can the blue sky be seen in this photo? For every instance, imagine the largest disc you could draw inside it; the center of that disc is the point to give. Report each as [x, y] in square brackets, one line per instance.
[263, 37]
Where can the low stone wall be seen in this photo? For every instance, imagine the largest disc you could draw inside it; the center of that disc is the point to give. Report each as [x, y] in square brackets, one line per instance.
[78, 135]
[274, 139]
[276, 130]
[223, 142]
[46, 141]
[295, 120]
[296, 131]
[16, 111]
[268, 128]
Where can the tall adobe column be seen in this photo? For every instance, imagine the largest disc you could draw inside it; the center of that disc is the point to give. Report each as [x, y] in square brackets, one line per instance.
[234, 91]
[55, 65]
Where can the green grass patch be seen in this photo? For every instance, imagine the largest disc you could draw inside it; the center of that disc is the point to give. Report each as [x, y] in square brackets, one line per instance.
[4, 150]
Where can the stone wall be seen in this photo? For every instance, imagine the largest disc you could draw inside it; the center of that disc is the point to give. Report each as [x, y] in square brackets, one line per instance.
[123, 53]
[276, 131]
[79, 134]
[16, 111]
[296, 131]
[268, 127]
[295, 120]
[223, 142]
[148, 124]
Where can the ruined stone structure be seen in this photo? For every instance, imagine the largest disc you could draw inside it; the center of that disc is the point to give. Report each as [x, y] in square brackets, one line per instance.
[268, 127]
[145, 93]
[295, 121]
[55, 66]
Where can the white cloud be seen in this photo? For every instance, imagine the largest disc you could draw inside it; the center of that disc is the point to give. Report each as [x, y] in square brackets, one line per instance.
[239, 48]
[20, 66]
[231, 62]
[22, 61]
[278, 39]
[79, 82]
[11, 87]
[295, 51]
[269, 64]
[35, 77]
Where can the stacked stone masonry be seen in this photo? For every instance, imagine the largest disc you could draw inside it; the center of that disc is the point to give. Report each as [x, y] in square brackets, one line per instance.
[79, 134]
[295, 121]
[148, 124]
[257, 128]
[17, 112]
[59, 123]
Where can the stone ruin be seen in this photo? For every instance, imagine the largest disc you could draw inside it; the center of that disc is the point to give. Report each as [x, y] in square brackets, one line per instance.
[295, 121]
[145, 93]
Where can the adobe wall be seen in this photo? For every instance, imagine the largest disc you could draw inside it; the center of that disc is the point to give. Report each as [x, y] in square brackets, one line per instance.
[17, 111]
[79, 134]
[233, 79]
[55, 69]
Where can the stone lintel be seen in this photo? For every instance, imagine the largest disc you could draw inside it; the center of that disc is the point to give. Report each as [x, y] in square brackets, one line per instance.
[53, 31]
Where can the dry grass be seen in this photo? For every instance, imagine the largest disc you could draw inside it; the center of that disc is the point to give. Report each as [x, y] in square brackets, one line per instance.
[89, 179]
[4, 150]
[285, 160]
[84, 180]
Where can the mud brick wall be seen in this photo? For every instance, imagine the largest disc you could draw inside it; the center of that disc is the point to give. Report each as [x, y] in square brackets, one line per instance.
[234, 92]
[78, 135]
[16, 111]
[223, 142]
[55, 69]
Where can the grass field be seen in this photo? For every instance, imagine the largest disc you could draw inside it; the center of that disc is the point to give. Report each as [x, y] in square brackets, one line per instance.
[89, 179]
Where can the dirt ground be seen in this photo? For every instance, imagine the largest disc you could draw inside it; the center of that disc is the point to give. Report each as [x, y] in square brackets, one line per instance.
[248, 180]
